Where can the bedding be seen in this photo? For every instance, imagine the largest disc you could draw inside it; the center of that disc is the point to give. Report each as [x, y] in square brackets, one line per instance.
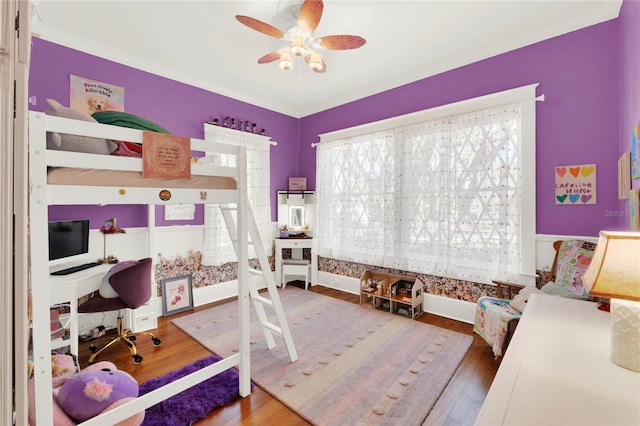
[99, 177]
[125, 119]
[492, 321]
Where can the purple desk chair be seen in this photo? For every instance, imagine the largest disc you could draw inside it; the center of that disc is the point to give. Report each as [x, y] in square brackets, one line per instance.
[130, 283]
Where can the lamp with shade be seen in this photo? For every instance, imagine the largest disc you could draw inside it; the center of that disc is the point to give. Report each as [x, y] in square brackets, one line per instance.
[109, 227]
[614, 273]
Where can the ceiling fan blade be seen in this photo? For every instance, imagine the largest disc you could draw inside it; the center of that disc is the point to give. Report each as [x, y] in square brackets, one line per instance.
[340, 42]
[309, 15]
[270, 57]
[260, 26]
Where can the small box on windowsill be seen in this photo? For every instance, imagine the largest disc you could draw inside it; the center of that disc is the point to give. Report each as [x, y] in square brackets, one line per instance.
[297, 184]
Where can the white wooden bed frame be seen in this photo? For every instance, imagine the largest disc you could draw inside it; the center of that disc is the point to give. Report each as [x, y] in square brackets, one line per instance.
[42, 194]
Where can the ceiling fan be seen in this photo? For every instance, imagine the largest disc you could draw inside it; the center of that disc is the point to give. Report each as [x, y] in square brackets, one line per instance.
[302, 39]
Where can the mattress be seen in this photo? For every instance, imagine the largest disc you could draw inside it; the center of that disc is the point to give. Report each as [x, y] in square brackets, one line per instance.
[118, 178]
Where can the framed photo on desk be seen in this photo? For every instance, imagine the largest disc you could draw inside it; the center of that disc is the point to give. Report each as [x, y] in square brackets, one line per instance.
[177, 295]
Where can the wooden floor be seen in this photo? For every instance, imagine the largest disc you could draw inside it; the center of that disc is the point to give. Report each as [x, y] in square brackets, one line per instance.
[459, 404]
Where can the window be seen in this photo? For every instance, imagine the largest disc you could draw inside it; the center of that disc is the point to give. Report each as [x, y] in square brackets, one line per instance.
[218, 248]
[446, 191]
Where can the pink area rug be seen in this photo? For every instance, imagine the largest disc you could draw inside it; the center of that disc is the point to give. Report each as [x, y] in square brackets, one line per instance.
[356, 366]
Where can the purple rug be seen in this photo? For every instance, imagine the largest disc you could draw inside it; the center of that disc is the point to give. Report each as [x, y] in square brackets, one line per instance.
[195, 403]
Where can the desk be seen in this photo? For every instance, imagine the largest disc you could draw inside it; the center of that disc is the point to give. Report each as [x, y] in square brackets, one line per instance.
[293, 243]
[67, 289]
[557, 371]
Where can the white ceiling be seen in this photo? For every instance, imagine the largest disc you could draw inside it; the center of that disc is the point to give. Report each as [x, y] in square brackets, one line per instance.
[202, 44]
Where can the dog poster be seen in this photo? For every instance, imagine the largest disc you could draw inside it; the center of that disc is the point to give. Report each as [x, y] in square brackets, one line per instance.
[91, 96]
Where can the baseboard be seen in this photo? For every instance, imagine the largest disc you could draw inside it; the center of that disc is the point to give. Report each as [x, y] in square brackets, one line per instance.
[213, 293]
[339, 282]
[447, 307]
[459, 310]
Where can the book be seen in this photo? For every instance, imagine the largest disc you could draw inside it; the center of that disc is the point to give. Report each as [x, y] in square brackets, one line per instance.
[57, 331]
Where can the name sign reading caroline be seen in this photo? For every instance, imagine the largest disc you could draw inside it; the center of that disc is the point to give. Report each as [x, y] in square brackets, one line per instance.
[576, 184]
[166, 156]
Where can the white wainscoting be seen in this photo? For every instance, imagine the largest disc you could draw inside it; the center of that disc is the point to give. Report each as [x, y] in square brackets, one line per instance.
[209, 294]
[339, 282]
[173, 241]
[445, 306]
[438, 305]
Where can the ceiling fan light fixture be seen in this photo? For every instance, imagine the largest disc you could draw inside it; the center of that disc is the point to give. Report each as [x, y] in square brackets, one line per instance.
[286, 60]
[315, 62]
[301, 37]
[297, 46]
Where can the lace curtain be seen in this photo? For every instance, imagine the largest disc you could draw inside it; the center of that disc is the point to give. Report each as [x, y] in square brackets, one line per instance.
[441, 197]
[218, 248]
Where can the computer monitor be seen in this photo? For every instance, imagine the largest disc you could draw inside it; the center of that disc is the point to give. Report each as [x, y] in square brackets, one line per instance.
[68, 240]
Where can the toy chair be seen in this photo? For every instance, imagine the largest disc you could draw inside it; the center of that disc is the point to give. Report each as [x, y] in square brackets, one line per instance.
[497, 318]
[126, 285]
[299, 267]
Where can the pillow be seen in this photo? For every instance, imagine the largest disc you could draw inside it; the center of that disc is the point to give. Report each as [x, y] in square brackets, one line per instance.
[555, 290]
[518, 303]
[520, 300]
[124, 119]
[66, 142]
[105, 289]
[574, 257]
[128, 149]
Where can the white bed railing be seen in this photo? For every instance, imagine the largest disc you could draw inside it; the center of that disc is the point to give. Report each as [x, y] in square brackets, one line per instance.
[41, 121]
[42, 194]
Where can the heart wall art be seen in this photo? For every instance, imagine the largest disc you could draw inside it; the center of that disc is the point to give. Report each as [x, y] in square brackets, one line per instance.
[576, 184]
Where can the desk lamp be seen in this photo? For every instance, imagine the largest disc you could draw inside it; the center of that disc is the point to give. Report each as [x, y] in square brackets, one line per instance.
[109, 227]
[614, 273]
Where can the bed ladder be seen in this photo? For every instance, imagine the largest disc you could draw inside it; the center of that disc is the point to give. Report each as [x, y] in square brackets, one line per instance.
[259, 302]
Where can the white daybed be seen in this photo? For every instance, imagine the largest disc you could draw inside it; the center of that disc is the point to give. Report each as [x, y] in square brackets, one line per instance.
[81, 178]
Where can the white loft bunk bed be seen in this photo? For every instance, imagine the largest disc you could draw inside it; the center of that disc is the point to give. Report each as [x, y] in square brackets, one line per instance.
[209, 184]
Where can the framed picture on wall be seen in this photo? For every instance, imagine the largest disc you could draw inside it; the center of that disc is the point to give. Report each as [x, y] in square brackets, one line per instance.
[634, 207]
[624, 176]
[635, 152]
[177, 295]
[576, 185]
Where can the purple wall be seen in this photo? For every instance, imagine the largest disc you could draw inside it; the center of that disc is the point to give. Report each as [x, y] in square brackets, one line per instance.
[577, 124]
[629, 87]
[176, 106]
